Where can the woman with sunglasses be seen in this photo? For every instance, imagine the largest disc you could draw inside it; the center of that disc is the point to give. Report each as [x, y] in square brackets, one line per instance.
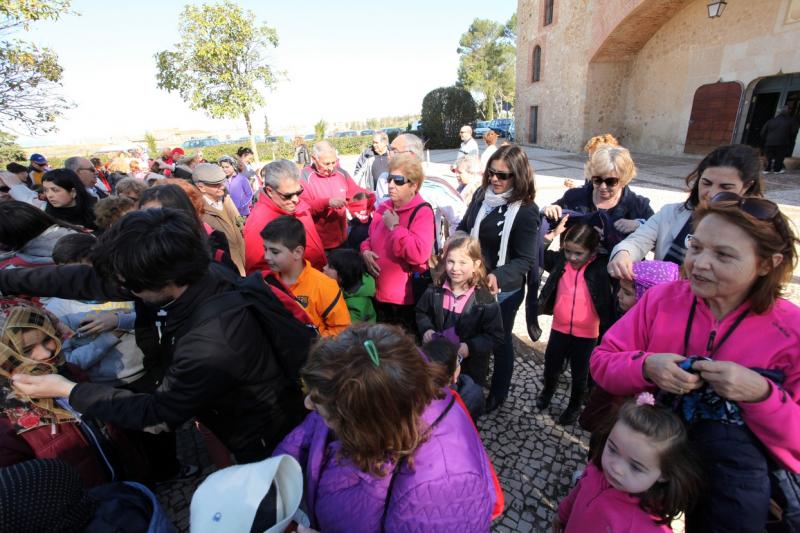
[609, 171]
[504, 218]
[722, 349]
[400, 242]
[735, 168]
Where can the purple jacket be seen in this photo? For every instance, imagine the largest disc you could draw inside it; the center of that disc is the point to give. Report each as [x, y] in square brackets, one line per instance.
[449, 489]
[241, 193]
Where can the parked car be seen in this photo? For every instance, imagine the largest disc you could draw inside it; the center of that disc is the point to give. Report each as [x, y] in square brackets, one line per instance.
[481, 127]
[273, 138]
[512, 132]
[416, 127]
[367, 132]
[502, 126]
[346, 133]
[200, 143]
[309, 137]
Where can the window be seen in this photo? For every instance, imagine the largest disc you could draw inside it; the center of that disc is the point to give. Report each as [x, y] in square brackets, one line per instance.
[533, 122]
[548, 12]
[537, 64]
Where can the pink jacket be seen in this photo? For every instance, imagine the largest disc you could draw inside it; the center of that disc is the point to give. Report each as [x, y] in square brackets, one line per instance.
[402, 251]
[574, 313]
[318, 190]
[657, 323]
[594, 505]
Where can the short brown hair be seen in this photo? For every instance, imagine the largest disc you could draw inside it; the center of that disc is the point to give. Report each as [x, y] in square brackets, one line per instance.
[410, 166]
[462, 241]
[775, 236]
[680, 467]
[110, 209]
[130, 184]
[522, 173]
[377, 409]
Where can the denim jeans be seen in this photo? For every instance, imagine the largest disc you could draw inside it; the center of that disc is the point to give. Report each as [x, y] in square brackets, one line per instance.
[504, 354]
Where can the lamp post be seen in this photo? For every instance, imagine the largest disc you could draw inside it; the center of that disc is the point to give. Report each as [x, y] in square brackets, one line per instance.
[716, 8]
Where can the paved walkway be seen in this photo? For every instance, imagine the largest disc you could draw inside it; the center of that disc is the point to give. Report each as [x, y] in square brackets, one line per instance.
[534, 457]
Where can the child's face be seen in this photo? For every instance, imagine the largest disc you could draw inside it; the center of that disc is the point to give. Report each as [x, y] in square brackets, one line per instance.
[37, 345]
[626, 296]
[460, 267]
[331, 272]
[631, 460]
[280, 258]
[576, 254]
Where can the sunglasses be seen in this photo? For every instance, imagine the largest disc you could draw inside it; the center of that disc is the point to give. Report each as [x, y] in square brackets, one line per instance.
[290, 195]
[397, 179]
[501, 175]
[756, 207]
[610, 182]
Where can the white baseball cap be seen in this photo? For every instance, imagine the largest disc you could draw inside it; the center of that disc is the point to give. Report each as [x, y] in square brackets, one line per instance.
[263, 496]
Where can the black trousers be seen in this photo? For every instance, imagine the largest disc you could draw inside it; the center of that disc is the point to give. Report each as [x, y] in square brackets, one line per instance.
[399, 315]
[575, 349]
[775, 156]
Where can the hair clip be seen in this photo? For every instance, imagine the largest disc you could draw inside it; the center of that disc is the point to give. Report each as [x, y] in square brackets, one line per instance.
[645, 398]
[372, 351]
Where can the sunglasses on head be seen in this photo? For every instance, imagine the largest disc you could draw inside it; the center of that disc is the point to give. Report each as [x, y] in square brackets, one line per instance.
[290, 195]
[610, 182]
[397, 179]
[756, 207]
[501, 175]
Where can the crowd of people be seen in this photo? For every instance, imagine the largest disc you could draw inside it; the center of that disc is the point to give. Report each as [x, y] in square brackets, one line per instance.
[356, 327]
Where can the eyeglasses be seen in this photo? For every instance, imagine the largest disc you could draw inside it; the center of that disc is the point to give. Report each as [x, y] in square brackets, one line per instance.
[219, 185]
[756, 207]
[501, 175]
[87, 169]
[397, 179]
[397, 151]
[290, 195]
[610, 182]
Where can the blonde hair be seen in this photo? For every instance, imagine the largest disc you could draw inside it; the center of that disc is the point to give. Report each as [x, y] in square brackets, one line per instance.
[410, 166]
[611, 158]
[462, 241]
[598, 140]
[120, 165]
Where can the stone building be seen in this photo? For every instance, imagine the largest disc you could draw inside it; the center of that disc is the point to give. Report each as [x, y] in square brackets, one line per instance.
[661, 75]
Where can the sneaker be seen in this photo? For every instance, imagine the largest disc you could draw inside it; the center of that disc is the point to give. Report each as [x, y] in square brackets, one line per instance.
[767, 172]
[782, 171]
[543, 401]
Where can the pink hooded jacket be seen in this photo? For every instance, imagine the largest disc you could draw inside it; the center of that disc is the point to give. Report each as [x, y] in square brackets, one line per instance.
[401, 251]
[657, 324]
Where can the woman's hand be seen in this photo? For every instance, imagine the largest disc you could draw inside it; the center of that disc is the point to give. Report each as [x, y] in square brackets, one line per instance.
[733, 381]
[371, 262]
[663, 370]
[427, 336]
[99, 323]
[463, 350]
[47, 386]
[625, 225]
[621, 266]
[491, 284]
[391, 219]
[552, 211]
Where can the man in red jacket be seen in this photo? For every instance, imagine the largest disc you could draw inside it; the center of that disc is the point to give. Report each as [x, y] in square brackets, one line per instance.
[328, 188]
[280, 196]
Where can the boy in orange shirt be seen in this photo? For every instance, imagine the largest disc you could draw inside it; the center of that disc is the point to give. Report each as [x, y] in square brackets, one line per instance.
[320, 296]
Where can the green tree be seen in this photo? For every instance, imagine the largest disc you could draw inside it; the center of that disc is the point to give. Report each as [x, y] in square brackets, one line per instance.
[487, 65]
[444, 111]
[219, 65]
[31, 75]
[267, 132]
[10, 150]
[319, 129]
[150, 140]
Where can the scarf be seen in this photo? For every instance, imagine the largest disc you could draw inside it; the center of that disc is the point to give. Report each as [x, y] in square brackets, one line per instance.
[491, 201]
[27, 413]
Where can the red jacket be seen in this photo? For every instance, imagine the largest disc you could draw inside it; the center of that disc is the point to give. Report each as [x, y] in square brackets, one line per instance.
[264, 212]
[331, 223]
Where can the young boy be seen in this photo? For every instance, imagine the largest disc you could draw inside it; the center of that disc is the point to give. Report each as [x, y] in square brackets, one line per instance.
[320, 296]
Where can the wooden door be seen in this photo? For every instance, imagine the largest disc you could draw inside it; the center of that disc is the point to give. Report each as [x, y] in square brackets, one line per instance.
[713, 117]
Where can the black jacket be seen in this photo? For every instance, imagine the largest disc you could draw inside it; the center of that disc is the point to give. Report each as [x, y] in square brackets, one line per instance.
[222, 372]
[522, 246]
[597, 280]
[780, 130]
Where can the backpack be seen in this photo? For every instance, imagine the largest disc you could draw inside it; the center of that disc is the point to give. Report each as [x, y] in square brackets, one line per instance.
[284, 324]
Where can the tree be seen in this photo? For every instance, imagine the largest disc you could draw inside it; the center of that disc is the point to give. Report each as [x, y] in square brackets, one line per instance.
[219, 65]
[267, 133]
[488, 62]
[444, 111]
[10, 150]
[150, 141]
[319, 129]
[31, 75]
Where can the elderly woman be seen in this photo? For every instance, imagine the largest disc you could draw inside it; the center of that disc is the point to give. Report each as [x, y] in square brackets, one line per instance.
[735, 168]
[725, 345]
[131, 188]
[469, 173]
[610, 169]
[385, 449]
[400, 242]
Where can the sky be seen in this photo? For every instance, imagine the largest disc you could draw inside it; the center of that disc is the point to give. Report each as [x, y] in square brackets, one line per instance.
[343, 61]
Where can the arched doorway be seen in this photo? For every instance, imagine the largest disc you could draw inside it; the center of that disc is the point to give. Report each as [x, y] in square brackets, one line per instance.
[768, 95]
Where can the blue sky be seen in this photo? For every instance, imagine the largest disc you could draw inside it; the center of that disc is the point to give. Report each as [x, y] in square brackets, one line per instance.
[343, 61]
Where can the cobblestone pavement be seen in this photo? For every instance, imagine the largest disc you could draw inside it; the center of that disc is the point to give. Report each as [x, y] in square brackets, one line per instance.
[534, 457]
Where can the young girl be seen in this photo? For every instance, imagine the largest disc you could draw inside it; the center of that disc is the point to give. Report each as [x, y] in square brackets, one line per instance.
[358, 287]
[578, 295]
[460, 307]
[644, 477]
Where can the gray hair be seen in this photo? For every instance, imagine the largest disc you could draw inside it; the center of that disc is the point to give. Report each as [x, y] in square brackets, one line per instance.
[277, 171]
[382, 136]
[470, 164]
[413, 144]
[74, 163]
[323, 147]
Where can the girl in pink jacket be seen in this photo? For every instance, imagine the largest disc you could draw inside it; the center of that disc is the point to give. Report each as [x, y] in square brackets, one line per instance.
[645, 476]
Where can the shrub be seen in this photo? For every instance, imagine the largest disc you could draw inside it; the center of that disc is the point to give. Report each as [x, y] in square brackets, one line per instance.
[444, 111]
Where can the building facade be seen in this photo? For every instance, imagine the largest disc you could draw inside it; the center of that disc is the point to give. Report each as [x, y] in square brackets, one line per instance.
[660, 75]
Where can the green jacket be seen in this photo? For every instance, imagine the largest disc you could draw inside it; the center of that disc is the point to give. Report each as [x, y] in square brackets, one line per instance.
[359, 303]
